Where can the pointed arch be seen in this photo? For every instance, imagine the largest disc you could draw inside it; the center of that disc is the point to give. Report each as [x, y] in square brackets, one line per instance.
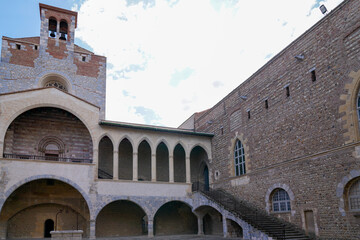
[144, 161]
[105, 158]
[162, 162]
[198, 163]
[179, 155]
[125, 159]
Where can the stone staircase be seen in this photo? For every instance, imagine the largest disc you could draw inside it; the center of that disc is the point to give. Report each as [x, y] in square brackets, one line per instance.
[104, 175]
[259, 219]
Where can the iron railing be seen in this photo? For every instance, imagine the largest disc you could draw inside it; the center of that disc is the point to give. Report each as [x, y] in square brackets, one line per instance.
[46, 158]
[258, 218]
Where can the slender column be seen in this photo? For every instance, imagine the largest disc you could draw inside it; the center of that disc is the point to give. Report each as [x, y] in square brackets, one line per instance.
[187, 165]
[153, 167]
[150, 228]
[200, 225]
[96, 161]
[135, 166]
[116, 165]
[225, 229]
[57, 34]
[92, 229]
[171, 168]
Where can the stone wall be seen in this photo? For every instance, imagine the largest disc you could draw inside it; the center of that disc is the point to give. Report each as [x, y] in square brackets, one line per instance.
[302, 138]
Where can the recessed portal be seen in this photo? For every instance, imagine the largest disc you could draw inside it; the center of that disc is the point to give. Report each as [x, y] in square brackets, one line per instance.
[48, 227]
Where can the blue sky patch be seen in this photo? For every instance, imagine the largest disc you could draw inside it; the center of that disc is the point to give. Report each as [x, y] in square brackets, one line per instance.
[179, 76]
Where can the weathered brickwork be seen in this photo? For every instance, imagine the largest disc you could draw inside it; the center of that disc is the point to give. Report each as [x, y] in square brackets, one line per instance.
[27, 133]
[305, 140]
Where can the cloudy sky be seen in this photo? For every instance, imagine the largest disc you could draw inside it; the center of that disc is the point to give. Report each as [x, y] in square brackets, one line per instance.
[167, 59]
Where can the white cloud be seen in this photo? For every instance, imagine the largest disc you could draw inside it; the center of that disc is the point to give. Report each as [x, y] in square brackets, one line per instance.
[222, 44]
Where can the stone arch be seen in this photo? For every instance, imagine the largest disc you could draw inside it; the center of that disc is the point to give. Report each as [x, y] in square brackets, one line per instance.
[231, 150]
[147, 139]
[128, 138]
[162, 162]
[128, 219]
[126, 155]
[341, 189]
[27, 108]
[105, 135]
[206, 149]
[199, 160]
[183, 145]
[211, 219]
[179, 157]
[105, 157]
[145, 154]
[49, 76]
[13, 117]
[163, 140]
[175, 218]
[272, 189]
[120, 198]
[59, 178]
[348, 109]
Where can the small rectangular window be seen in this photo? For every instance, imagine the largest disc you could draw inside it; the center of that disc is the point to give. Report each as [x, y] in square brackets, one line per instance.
[313, 75]
[36, 47]
[287, 91]
[266, 104]
[18, 46]
[83, 58]
[248, 112]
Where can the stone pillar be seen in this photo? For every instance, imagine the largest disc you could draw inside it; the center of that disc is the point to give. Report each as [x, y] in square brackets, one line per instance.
[153, 167]
[188, 173]
[135, 166]
[3, 230]
[1, 148]
[116, 165]
[92, 229]
[200, 225]
[150, 227]
[171, 168]
[225, 229]
[96, 161]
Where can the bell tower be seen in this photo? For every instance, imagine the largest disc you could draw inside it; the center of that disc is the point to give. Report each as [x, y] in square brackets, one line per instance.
[57, 28]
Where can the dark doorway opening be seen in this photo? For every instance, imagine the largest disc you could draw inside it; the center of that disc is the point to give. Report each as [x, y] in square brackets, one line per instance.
[206, 178]
[48, 227]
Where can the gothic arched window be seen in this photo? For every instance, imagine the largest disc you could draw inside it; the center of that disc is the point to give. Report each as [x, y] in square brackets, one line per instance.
[239, 159]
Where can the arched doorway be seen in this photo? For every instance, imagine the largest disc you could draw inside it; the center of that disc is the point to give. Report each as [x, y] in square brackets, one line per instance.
[199, 168]
[30, 211]
[121, 218]
[48, 227]
[175, 218]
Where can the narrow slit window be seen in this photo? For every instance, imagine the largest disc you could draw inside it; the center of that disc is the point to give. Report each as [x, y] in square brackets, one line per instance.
[248, 112]
[287, 89]
[313, 75]
[266, 104]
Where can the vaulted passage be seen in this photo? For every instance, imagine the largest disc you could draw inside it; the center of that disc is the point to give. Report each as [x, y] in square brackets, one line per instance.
[175, 218]
[40, 206]
[121, 218]
[48, 134]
